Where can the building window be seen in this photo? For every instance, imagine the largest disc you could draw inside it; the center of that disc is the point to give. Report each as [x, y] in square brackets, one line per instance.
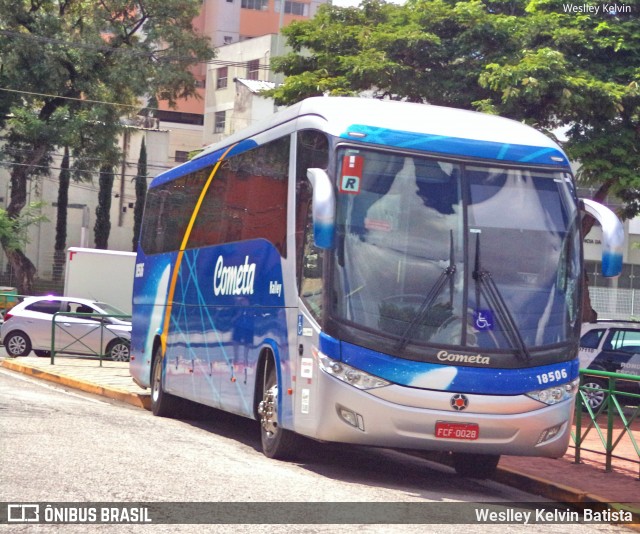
[293, 8]
[253, 69]
[260, 5]
[222, 75]
[177, 116]
[219, 121]
[181, 156]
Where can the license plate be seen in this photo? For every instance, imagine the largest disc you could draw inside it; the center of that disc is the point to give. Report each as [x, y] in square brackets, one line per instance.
[469, 431]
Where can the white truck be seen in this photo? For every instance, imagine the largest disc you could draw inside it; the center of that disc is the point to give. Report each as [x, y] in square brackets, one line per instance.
[103, 275]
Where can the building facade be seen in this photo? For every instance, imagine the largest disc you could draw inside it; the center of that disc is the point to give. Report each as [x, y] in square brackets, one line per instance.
[83, 200]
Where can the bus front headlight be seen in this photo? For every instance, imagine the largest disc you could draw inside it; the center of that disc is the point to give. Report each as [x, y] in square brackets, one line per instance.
[350, 375]
[555, 394]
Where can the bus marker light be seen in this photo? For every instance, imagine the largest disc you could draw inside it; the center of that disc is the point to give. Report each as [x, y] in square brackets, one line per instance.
[352, 418]
[549, 433]
[290, 391]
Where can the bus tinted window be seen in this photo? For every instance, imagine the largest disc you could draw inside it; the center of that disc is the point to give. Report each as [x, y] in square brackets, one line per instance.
[247, 199]
[313, 152]
[168, 210]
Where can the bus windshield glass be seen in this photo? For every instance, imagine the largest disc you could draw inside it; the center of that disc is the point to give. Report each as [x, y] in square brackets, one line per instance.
[440, 253]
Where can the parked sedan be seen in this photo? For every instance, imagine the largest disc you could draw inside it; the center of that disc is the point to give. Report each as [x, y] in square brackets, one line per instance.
[87, 328]
[612, 346]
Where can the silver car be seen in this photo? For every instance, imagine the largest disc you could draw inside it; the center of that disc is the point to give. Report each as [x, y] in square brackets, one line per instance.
[87, 327]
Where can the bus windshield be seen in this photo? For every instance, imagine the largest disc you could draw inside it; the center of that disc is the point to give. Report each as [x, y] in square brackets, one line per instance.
[441, 253]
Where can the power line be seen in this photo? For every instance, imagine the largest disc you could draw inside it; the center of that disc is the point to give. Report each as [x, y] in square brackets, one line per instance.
[129, 163]
[105, 48]
[83, 100]
[15, 164]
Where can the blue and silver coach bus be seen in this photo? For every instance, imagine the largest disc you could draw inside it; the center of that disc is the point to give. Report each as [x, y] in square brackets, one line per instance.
[370, 272]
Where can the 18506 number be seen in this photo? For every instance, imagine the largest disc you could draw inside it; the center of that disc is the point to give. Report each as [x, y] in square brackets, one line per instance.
[552, 376]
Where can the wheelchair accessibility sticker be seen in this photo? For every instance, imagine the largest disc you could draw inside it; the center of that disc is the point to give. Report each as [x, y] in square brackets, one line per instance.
[483, 320]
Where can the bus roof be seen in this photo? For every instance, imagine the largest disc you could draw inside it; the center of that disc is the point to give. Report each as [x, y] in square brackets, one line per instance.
[422, 127]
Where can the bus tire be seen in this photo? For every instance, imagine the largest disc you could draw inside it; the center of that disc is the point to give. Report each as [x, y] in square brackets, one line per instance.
[277, 443]
[472, 465]
[163, 404]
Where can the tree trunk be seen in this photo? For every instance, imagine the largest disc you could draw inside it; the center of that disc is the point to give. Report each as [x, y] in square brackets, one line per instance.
[22, 267]
[23, 270]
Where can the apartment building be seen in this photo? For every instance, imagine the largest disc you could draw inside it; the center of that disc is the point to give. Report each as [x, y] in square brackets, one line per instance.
[234, 24]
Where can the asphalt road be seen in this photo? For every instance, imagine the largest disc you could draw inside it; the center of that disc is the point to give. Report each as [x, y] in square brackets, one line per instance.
[64, 446]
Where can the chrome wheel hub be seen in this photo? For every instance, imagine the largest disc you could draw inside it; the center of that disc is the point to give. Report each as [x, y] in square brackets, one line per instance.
[268, 412]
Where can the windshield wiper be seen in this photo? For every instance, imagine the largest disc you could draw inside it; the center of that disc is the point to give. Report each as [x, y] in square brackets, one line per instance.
[487, 287]
[431, 297]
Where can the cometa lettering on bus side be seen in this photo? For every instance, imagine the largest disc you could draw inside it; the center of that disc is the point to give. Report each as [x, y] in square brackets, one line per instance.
[233, 279]
[445, 356]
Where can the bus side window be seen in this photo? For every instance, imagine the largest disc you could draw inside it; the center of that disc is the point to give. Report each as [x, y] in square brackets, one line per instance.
[312, 152]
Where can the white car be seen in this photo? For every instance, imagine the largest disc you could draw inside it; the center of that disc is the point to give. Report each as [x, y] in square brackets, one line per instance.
[88, 328]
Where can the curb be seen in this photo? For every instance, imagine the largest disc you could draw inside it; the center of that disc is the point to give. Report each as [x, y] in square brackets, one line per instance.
[565, 494]
[536, 485]
[135, 399]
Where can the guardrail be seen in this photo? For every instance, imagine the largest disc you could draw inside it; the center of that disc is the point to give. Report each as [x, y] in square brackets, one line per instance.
[614, 405]
[8, 298]
[82, 340]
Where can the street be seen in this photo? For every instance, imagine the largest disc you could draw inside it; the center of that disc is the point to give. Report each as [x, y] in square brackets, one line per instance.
[64, 446]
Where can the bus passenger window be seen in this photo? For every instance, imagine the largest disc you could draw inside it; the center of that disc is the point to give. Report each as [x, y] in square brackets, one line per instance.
[311, 283]
[312, 152]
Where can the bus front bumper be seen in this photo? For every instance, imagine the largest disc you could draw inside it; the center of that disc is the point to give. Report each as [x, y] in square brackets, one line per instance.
[400, 417]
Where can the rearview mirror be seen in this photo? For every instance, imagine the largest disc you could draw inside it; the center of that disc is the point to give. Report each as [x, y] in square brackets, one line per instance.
[323, 208]
[612, 236]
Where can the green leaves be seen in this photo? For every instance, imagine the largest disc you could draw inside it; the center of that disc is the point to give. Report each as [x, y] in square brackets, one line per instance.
[13, 231]
[537, 61]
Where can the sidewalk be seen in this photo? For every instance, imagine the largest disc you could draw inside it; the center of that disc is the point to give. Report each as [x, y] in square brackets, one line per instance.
[562, 480]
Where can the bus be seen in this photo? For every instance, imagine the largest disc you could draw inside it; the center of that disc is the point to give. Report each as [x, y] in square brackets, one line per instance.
[370, 272]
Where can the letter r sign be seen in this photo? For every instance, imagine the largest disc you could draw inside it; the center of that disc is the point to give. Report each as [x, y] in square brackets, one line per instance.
[351, 175]
[350, 184]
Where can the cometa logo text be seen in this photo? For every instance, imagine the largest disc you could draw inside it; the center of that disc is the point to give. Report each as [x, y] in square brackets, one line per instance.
[445, 356]
[234, 279]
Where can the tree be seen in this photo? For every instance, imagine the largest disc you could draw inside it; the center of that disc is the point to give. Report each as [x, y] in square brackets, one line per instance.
[65, 64]
[13, 230]
[141, 193]
[102, 226]
[61, 219]
[537, 61]
[530, 60]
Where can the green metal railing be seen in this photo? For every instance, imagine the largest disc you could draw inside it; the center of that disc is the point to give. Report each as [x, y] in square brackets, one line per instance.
[615, 406]
[59, 326]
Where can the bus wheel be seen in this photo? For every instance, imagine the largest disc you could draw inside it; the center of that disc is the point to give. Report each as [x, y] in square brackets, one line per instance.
[162, 404]
[473, 465]
[277, 442]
